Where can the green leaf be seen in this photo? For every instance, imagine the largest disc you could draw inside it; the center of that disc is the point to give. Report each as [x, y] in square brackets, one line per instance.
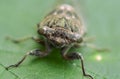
[19, 18]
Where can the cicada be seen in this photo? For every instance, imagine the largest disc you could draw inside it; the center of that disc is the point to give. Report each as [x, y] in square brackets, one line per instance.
[62, 28]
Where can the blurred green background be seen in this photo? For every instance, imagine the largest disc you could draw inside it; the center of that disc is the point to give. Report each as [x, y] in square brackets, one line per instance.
[18, 18]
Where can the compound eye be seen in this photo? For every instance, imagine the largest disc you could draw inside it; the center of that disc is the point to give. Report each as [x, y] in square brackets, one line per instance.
[38, 25]
[80, 40]
[40, 31]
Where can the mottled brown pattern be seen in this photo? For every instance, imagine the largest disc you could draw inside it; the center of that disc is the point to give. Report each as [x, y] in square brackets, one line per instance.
[62, 26]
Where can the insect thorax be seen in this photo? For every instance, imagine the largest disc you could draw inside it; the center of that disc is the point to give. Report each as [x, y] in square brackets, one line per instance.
[62, 26]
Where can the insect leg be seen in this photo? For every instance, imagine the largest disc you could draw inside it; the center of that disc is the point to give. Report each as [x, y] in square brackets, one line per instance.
[33, 53]
[24, 39]
[97, 48]
[72, 56]
[87, 42]
[89, 39]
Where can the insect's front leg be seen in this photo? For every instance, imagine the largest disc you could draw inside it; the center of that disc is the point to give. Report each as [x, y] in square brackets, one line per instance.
[36, 52]
[33, 53]
[73, 56]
